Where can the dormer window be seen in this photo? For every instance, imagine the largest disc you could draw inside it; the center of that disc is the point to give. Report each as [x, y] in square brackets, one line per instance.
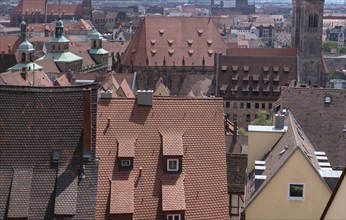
[174, 217]
[126, 163]
[172, 165]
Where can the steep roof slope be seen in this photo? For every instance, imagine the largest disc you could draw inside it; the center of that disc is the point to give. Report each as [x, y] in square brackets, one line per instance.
[174, 41]
[42, 152]
[198, 135]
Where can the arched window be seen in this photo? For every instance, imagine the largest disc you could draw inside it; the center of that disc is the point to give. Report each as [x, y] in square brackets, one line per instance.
[311, 20]
[316, 21]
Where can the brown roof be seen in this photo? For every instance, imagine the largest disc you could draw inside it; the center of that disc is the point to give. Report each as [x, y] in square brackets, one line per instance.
[125, 90]
[29, 6]
[9, 43]
[122, 195]
[176, 40]
[62, 81]
[326, 132]
[172, 143]
[173, 195]
[48, 65]
[15, 78]
[204, 155]
[126, 147]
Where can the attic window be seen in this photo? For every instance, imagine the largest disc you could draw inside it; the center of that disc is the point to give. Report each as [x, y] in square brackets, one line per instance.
[327, 100]
[235, 68]
[246, 68]
[153, 41]
[189, 42]
[170, 51]
[210, 52]
[286, 69]
[209, 42]
[161, 31]
[153, 51]
[173, 165]
[134, 50]
[174, 217]
[200, 31]
[276, 69]
[266, 69]
[170, 41]
[224, 68]
[190, 51]
[296, 191]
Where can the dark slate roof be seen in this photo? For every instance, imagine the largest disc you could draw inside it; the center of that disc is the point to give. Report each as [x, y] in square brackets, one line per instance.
[292, 140]
[35, 122]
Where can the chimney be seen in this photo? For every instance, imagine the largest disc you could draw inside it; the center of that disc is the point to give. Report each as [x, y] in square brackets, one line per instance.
[87, 125]
[279, 121]
[24, 72]
[145, 97]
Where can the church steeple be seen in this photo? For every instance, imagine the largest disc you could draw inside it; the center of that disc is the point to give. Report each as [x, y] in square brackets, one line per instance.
[23, 29]
[307, 38]
[87, 10]
[59, 28]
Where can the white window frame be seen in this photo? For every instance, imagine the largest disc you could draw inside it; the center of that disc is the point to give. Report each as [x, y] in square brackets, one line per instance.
[295, 197]
[172, 160]
[172, 216]
[127, 164]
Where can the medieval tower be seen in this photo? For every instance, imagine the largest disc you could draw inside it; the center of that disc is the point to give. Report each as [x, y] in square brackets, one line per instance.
[307, 38]
[87, 10]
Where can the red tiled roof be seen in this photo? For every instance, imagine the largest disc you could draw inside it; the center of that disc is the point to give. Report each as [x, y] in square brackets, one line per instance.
[29, 6]
[203, 162]
[122, 196]
[126, 147]
[172, 143]
[172, 39]
[173, 195]
[9, 43]
[125, 89]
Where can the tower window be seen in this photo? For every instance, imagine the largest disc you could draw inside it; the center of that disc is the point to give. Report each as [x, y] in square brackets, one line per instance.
[94, 43]
[316, 21]
[23, 57]
[311, 20]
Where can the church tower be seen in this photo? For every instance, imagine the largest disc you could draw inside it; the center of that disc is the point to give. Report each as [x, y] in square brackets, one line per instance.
[87, 10]
[307, 21]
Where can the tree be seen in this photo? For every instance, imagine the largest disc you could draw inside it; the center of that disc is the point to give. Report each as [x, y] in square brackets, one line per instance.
[262, 118]
[241, 132]
[342, 50]
[327, 46]
[331, 73]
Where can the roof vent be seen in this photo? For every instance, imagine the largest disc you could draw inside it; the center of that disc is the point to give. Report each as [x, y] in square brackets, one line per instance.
[56, 157]
[279, 121]
[145, 97]
[107, 94]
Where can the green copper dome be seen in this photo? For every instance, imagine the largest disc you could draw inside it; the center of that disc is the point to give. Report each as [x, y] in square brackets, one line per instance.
[95, 35]
[26, 46]
[59, 24]
[23, 23]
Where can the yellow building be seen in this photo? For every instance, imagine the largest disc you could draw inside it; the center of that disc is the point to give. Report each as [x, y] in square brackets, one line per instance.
[289, 181]
[335, 208]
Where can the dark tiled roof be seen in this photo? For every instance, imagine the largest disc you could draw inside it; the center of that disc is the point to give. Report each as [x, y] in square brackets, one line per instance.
[35, 122]
[203, 162]
[292, 140]
[236, 172]
[323, 123]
